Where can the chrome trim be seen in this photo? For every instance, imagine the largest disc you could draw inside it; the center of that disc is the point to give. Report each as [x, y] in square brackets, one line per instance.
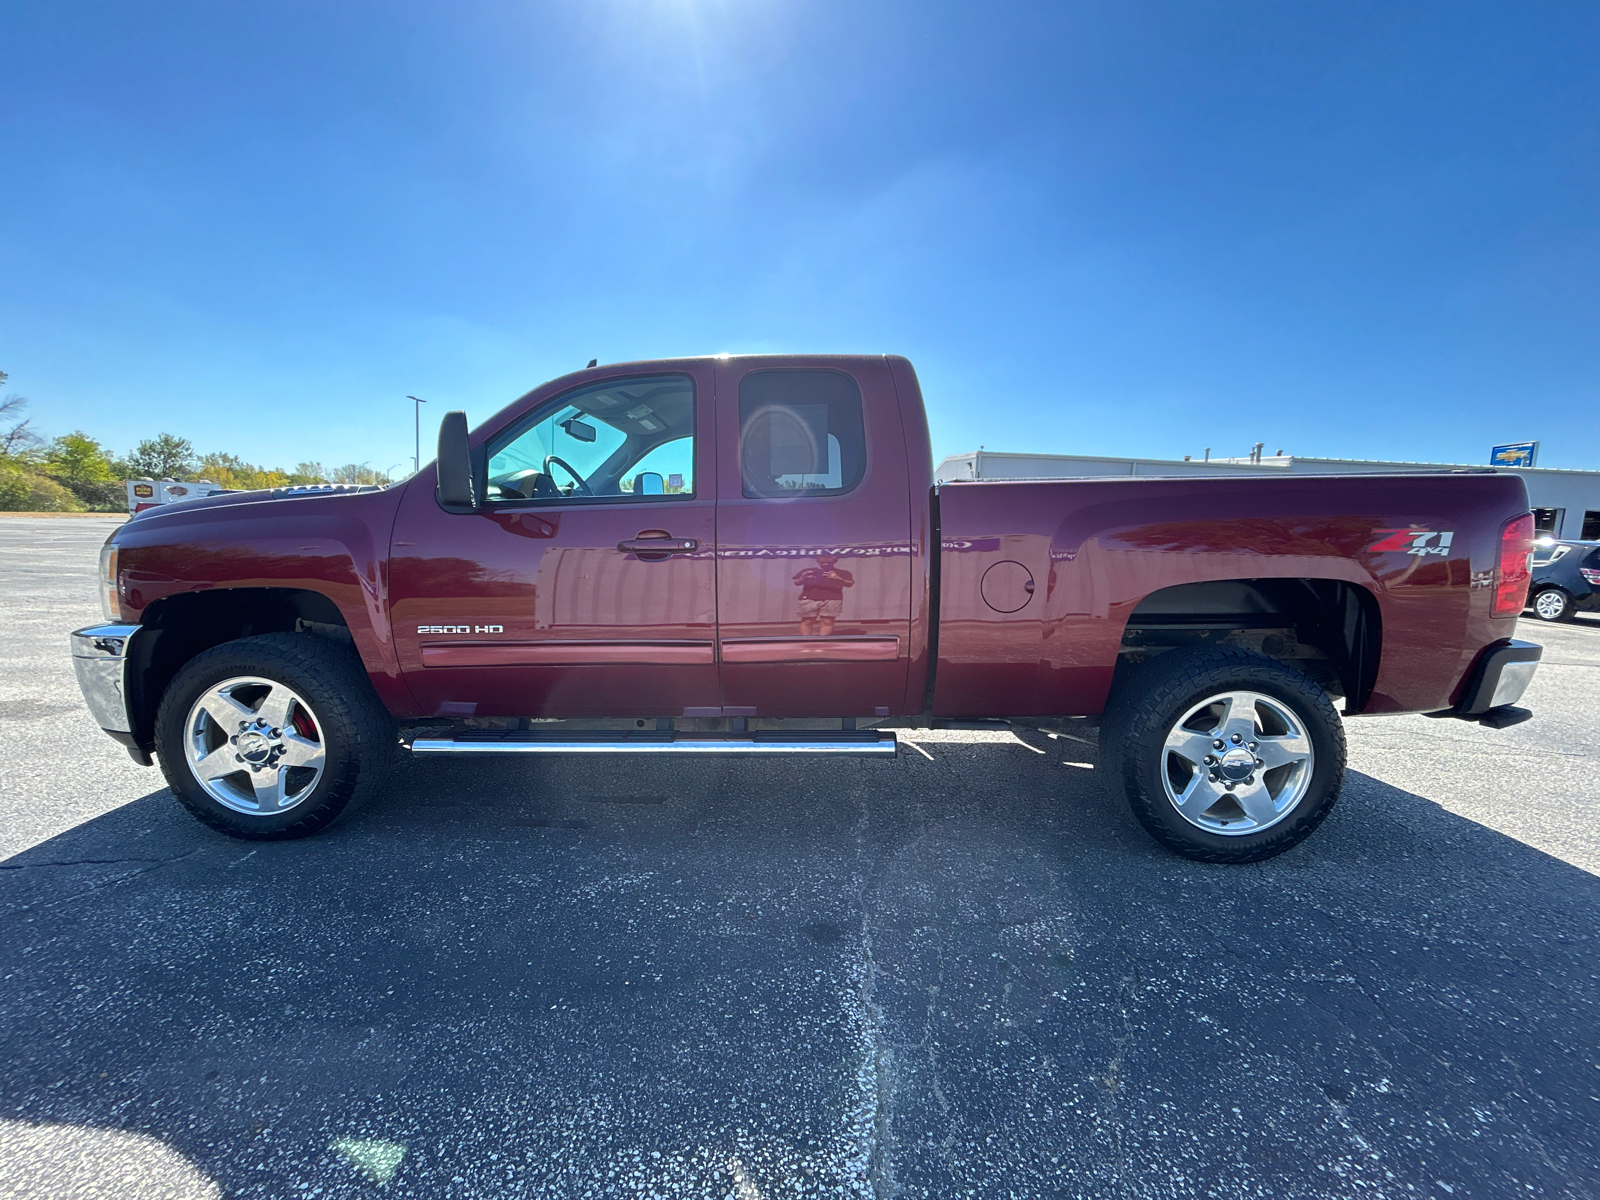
[1514, 680]
[99, 659]
[1499, 677]
[883, 746]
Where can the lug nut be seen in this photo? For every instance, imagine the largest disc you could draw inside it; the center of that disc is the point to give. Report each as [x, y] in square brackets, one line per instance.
[1253, 746]
[1209, 760]
[238, 758]
[277, 733]
[1260, 763]
[234, 740]
[1229, 786]
[1216, 745]
[1236, 739]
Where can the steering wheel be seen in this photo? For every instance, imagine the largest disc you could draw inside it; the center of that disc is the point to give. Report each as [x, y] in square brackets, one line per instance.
[583, 487]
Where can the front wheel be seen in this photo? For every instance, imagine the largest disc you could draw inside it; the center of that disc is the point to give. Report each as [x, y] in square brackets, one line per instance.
[1553, 604]
[273, 737]
[1224, 756]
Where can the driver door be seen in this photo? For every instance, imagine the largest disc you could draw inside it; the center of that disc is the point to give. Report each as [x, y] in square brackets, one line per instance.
[552, 598]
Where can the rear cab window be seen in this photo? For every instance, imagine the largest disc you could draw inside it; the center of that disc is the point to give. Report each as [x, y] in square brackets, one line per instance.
[800, 434]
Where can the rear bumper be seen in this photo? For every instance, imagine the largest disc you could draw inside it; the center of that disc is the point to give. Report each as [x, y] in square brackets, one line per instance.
[100, 660]
[1499, 677]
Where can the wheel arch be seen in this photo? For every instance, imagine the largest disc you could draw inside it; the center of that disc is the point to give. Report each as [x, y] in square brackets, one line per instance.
[1329, 629]
[176, 628]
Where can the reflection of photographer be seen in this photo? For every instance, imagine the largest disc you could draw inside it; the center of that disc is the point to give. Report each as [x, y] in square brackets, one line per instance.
[822, 595]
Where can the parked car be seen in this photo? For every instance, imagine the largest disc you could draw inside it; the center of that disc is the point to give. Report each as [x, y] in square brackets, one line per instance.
[749, 556]
[1566, 578]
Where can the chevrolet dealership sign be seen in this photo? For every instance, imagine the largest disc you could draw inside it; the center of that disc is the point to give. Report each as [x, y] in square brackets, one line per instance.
[1517, 454]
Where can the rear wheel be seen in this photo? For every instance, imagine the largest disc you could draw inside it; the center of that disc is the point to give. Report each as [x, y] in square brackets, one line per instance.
[273, 737]
[1224, 756]
[1553, 604]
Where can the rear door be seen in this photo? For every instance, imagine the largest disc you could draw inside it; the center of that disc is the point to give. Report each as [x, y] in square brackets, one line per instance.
[552, 598]
[814, 538]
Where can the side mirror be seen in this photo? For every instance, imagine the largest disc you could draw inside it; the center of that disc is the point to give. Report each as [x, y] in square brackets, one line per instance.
[578, 431]
[649, 483]
[455, 463]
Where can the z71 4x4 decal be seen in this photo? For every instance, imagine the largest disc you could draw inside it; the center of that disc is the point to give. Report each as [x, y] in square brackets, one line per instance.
[1414, 541]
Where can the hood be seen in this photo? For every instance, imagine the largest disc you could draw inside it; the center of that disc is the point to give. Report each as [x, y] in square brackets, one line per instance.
[257, 496]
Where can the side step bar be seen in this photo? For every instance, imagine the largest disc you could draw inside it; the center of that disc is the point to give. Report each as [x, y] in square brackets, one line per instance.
[864, 742]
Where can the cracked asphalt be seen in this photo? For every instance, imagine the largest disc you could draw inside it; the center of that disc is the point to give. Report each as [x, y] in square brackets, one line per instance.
[965, 972]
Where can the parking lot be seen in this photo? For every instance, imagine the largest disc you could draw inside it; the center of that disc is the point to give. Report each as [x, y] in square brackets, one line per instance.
[964, 972]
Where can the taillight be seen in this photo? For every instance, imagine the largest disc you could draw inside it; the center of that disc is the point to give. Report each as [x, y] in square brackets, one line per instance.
[1591, 575]
[1512, 576]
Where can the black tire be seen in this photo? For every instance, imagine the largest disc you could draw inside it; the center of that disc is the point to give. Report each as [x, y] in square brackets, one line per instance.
[1549, 610]
[356, 735]
[1147, 705]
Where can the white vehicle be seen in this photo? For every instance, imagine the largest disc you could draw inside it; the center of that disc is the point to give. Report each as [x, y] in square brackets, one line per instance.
[149, 493]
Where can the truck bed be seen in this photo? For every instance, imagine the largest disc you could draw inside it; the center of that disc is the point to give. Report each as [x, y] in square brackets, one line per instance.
[1103, 556]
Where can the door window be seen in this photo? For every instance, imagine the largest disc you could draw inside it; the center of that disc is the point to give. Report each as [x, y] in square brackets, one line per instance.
[618, 441]
[800, 434]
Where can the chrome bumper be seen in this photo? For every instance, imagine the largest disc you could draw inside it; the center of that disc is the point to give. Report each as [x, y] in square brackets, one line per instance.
[99, 658]
[1500, 676]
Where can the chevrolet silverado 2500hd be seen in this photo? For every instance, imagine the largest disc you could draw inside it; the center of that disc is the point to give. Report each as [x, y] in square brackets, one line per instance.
[748, 555]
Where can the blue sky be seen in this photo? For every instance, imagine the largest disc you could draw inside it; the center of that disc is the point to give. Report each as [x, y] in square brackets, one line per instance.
[1362, 230]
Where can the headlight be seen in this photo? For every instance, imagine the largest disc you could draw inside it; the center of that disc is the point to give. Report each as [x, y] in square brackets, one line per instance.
[110, 598]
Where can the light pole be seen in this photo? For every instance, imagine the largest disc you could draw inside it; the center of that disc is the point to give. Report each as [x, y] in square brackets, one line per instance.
[416, 410]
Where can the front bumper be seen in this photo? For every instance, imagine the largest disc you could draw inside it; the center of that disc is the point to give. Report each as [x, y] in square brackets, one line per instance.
[100, 660]
[1499, 677]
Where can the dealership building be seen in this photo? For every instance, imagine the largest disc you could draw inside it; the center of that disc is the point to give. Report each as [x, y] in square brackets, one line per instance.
[1566, 504]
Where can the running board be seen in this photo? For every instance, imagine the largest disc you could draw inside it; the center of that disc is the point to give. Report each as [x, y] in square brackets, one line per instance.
[866, 741]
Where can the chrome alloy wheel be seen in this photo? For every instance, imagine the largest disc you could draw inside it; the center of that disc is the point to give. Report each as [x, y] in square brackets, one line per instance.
[1236, 763]
[1550, 604]
[254, 746]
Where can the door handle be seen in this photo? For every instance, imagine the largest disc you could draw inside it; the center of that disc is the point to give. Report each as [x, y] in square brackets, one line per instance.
[659, 545]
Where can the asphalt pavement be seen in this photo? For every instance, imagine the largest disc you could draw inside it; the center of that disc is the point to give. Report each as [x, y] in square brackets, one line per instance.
[963, 972]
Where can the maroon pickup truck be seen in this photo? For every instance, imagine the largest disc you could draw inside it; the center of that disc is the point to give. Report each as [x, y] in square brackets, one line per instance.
[748, 555]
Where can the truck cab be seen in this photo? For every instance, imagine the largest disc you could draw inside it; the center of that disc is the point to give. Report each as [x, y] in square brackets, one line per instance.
[702, 539]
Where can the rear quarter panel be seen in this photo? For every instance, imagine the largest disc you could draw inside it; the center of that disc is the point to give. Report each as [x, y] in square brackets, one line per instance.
[1096, 548]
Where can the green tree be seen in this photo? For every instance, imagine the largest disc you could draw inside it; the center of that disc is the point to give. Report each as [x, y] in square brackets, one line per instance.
[24, 491]
[165, 456]
[78, 458]
[233, 472]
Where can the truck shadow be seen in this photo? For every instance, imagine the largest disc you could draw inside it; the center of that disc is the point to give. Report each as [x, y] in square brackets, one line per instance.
[970, 974]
